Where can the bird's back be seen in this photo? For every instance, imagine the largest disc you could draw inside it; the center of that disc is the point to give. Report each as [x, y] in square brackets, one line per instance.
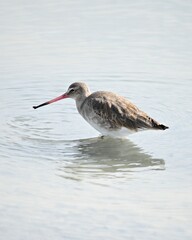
[114, 112]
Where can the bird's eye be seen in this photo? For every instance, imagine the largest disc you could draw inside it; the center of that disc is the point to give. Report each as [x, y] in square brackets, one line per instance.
[71, 90]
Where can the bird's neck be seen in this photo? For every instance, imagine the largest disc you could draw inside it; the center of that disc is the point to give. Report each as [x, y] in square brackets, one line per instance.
[80, 101]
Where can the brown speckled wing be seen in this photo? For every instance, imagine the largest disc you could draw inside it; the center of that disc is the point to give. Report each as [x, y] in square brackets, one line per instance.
[119, 112]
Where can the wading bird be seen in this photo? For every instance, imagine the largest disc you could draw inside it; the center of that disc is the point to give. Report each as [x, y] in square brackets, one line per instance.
[107, 112]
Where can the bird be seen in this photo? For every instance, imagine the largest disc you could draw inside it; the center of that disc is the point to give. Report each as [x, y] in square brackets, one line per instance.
[109, 113]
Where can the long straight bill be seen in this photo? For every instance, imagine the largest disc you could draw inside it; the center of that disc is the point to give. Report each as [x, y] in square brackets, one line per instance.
[51, 101]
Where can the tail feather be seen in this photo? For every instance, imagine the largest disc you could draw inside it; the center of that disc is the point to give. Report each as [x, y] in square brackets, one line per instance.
[156, 125]
[162, 127]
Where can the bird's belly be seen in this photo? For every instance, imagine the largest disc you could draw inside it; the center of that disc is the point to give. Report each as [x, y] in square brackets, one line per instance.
[105, 128]
[121, 133]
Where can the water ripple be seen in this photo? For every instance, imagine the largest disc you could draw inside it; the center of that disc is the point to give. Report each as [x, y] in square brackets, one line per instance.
[106, 157]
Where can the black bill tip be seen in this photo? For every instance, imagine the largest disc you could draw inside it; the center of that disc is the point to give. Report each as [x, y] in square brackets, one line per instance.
[41, 105]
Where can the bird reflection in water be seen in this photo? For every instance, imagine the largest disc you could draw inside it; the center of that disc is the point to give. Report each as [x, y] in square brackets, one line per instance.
[108, 157]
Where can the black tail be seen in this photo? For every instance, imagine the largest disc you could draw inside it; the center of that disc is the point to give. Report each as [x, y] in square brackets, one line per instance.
[162, 127]
[156, 125]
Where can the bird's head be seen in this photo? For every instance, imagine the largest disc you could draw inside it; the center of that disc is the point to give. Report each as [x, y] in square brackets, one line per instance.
[77, 91]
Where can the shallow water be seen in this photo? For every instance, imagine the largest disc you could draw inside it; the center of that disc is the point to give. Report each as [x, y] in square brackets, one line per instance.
[58, 178]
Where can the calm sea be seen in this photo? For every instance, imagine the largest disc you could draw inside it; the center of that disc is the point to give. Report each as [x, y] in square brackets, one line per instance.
[58, 178]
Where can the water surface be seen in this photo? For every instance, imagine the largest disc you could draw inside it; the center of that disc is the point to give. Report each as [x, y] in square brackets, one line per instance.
[58, 178]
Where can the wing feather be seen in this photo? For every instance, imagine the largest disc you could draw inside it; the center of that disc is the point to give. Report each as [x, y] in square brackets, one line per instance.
[119, 112]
